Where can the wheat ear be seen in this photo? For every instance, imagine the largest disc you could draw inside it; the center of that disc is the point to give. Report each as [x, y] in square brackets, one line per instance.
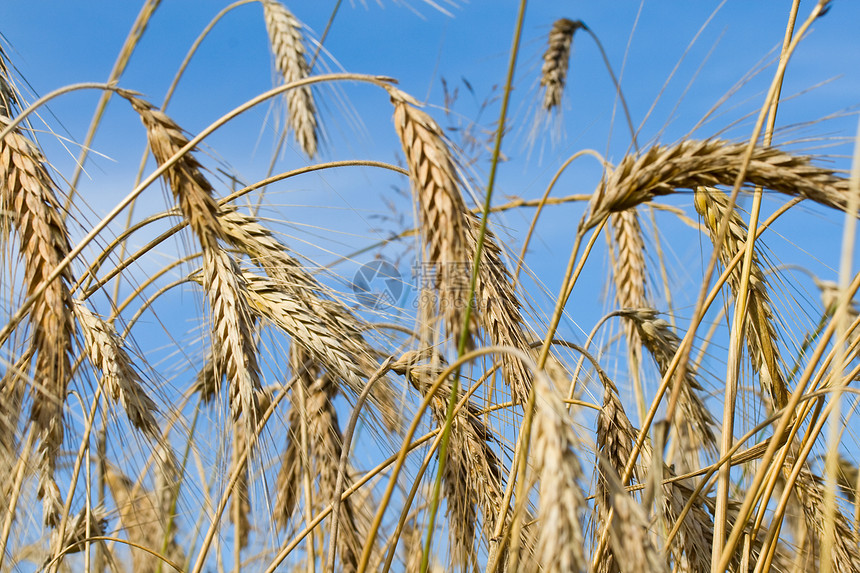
[233, 330]
[695, 422]
[441, 208]
[288, 47]
[692, 163]
[760, 332]
[192, 190]
[560, 538]
[120, 379]
[553, 73]
[615, 438]
[499, 310]
[630, 278]
[473, 477]
[143, 521]
[247, 235]
[28, 191]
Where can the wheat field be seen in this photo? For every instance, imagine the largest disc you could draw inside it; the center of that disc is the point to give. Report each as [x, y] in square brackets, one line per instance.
[344, 324]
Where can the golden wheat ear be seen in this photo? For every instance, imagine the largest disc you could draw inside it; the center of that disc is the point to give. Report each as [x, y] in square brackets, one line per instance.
[760, 330]
[661, 170]
[553, 73]
[29, 193]
[288, 47]
[441, 209]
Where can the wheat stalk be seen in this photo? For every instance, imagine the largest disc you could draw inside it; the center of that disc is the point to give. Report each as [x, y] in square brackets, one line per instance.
[692, 163]
[287, 42]
[553, 73]
[760, 332]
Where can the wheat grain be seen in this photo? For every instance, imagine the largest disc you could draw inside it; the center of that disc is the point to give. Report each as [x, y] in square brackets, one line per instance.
[553, 74]
[287, 42]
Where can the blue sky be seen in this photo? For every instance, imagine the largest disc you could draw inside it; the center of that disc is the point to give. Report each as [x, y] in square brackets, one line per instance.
[331, 214]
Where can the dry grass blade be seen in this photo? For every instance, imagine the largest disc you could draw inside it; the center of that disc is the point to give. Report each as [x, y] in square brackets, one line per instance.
[695, 424]
[29, 193]
[553, 73]
[560, 539]
[760, 332]
[441, 209]
[120, 379]
[143, 521]
[692, 163]
[287, 42]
